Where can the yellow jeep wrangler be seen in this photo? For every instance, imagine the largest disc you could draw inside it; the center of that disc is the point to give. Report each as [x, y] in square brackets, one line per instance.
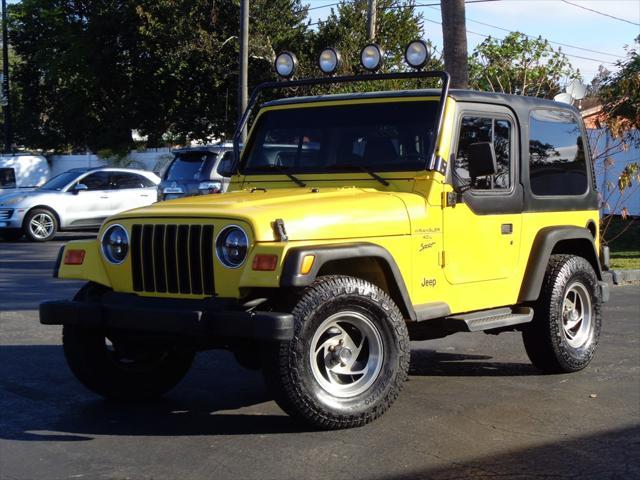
[353, 224]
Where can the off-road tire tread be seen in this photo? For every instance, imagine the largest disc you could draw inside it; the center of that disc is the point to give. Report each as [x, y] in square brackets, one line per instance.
[542, 339]
[287, 391]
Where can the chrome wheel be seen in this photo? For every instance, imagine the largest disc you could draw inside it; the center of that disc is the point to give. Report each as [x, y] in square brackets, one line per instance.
[41, 226]
[346, 354]
[576, 315]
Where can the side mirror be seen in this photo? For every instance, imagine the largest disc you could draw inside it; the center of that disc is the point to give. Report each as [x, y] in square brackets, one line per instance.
[482, 160]
[79, 187]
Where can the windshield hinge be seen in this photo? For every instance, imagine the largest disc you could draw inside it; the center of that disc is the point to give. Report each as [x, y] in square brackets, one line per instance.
[279, 230]
[438, 164]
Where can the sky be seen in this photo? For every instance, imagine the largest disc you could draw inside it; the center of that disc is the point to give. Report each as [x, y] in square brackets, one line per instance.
[555, 20]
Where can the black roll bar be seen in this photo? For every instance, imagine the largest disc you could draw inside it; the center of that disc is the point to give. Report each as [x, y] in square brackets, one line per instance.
[433, 164]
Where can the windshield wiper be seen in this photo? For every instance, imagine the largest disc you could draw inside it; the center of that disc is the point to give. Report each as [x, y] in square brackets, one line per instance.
[362, 168]
[280, 169]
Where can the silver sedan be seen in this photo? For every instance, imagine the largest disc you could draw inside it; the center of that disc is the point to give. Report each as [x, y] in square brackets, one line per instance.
[79, 199]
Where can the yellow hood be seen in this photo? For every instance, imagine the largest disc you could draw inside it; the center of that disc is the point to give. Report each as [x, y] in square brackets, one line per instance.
[324, 214]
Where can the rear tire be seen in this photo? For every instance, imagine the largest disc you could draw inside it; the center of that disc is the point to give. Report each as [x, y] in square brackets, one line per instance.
[348, 359]
[567, 321]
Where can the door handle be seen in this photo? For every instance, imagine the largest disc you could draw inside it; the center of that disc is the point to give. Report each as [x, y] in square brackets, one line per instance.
[106, 196]
[144, 195]
[506, 228]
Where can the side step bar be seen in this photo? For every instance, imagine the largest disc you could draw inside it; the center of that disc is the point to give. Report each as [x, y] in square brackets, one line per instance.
[490, 319]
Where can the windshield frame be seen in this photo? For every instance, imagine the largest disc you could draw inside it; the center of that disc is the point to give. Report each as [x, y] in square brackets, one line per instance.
[255, 134]
[435, 163]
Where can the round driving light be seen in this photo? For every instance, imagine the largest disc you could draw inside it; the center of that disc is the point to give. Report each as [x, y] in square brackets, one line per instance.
[115, 244]
[371, 57]
[232, 246]
[285, 64]
[329, 61]
[417, 54]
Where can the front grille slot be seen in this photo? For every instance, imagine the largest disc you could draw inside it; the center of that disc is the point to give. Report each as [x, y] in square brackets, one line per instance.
[6, 213]
[172, 258]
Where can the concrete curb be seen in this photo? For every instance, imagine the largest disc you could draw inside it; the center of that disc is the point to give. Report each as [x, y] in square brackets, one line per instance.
[620, 277]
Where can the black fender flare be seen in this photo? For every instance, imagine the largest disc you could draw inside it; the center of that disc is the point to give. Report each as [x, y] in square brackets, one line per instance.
[291, 276]
[543, 245]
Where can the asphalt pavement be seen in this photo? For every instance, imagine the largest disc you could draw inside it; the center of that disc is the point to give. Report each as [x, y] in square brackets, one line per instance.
[473, 408]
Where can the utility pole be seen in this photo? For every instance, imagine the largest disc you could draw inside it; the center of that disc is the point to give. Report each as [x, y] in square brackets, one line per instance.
[8, 141]
[243, 83]
[454, 36]
[371, 20]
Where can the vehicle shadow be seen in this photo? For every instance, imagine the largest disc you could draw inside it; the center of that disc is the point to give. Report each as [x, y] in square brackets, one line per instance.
[217, 397]
[431, 363]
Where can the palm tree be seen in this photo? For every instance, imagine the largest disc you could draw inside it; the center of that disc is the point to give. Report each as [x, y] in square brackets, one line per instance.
[454, 36]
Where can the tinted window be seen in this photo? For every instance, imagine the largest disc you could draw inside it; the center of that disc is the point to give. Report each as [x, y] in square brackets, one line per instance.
[130, 180]
[7, 178]
[189, 166]
[484, 129]
[226, 162]
[385, 137]
[557, 164]
[97, 181]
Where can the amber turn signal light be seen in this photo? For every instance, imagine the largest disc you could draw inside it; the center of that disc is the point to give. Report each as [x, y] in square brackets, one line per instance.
[265, 262]
[74, 257]
[307, 264]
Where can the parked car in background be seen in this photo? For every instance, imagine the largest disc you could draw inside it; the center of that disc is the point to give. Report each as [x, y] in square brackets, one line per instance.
[196, 171]
[22, 171]
[79, 199]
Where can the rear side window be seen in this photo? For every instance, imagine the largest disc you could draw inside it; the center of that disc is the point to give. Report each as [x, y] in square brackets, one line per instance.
[557, 162]
[97, 181]
[7, 178]
[226, 162]
[131, 180]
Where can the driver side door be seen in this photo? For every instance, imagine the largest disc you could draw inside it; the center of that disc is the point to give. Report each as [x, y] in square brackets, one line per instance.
[89, 208]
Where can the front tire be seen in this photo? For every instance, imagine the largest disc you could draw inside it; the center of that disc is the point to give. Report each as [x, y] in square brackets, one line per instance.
[40, 225]
[118, 369]
[348, 359]
[567, 321]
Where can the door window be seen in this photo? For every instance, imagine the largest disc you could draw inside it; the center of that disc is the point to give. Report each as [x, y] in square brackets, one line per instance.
[475, 129]
[96, 181]
[557, 164]
[226, 162]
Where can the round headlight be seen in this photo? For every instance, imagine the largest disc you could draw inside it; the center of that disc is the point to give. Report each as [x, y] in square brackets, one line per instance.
[329, 61]
[371, 57]
[115, 244]
[285, 65]
[417, 54]
[232, 246]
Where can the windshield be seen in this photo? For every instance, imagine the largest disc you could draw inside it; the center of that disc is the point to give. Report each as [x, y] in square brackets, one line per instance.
[190, 166]
[390, 136]
[60, 181]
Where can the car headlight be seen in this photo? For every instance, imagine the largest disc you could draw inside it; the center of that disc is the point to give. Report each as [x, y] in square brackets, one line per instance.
[115, 244]
[12, 201]
[232, 245]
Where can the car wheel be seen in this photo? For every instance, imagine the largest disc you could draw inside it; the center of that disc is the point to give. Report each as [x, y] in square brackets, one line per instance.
[119, 369]
[564, 332]
[40, 225]
[348, 359]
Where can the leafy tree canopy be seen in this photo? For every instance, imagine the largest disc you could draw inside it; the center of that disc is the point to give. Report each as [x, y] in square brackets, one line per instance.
[519, 65]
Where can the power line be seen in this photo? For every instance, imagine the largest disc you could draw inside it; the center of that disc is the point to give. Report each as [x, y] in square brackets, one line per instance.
[501, 39]
[534, 36]
[600, 13]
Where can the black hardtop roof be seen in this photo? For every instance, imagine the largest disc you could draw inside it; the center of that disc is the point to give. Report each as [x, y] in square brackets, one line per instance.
[517, 102]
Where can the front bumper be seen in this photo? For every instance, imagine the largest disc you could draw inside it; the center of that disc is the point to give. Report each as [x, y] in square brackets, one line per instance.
[199, 318]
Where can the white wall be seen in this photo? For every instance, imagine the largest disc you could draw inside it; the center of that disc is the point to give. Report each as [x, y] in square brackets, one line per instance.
[145, 160]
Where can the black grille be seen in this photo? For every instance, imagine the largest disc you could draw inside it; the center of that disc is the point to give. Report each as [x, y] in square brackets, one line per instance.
[172, 258]
[5, 213]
